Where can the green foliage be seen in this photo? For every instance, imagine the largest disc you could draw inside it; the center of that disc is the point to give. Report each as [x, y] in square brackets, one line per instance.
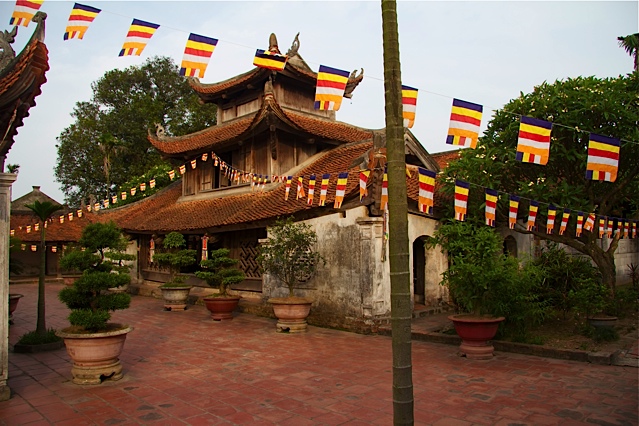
[159, 173]
[220, 271]
[482, 280]
[125, 105]
[633, 274]
[604, 106]
[13, 168]
[175, 257]
[44, 210]
[35, 338]
[102, 266]
[563, 273]
[590, 298]
[289, 254]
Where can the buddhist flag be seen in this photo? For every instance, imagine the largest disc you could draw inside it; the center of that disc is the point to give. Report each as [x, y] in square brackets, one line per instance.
[196, 57]
[331, 84]
[552, 212]
[383, 202]
[24, 11]
[143, 186]
[564, 221]
[182, 169]
[533, 145]
[602, 226]
[580, 224]
[609, 227]
[425, 199]
[626, 230]
[311, 190]
[461, 199]
[603, 158]
[512, 211]
[269, 60]
[590, 222]
[79, 20]
[532, 215]
[491, 206]
[171, 174]
[106, 203]
[139, 34]
[409, 105]
[324, 189]
[152, 183]
[123, 195]
[465, 119]
[79, 212]
[634, 229]
[300, 188]
[133, 190]
[340, 189]
[114, 200]
[288, 187]
[194, 163]
[61, 218]
[363, 180]
[28, 229]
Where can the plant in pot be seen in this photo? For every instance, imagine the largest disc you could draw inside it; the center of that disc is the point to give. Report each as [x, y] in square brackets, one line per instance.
[591, 300]
[290, 257]
[175, 292]
[219, 271]
[92, 342]
[476, 274]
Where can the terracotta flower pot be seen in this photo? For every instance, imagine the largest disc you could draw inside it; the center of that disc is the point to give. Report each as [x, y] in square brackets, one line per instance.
[95, 355]
[476, 332]
[291, 313]
[221, 308]
[14, 298]
[175, 298]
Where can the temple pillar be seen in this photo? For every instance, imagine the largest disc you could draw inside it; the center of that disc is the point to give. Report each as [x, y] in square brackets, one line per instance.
[6, 180]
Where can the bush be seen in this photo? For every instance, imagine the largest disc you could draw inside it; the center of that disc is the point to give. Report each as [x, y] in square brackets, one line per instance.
[220, 271]
[35, 338]
[175, 257]
[102, 268]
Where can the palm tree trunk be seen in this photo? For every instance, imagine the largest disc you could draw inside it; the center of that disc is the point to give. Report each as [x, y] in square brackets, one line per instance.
[398, 222]
[41, 325]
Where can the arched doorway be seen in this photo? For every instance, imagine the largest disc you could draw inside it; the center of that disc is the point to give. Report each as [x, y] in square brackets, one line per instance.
[510, 246]
[419, 271]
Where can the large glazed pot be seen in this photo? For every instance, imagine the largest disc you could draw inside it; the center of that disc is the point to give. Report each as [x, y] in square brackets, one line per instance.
[95, 355]
[476, 332]
[175, 298]
[291, 313]
[221, 308]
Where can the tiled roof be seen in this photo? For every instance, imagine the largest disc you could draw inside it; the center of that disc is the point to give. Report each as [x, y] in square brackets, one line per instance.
[443, 158]
[221, 134]
[163, 212]
[56, 232]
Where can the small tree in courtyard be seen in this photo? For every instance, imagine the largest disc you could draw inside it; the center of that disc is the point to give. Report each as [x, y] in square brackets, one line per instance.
[289, 254]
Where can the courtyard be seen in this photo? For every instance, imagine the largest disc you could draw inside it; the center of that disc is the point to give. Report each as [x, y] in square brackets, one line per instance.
[184, 368]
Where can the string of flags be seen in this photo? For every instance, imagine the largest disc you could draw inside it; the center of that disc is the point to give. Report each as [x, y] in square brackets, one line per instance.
[533, 145]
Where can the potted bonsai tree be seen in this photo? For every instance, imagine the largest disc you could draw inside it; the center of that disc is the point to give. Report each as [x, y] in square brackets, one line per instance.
[175, 292]
[477, 270]
[220, 271]
[92, 342]
[289, 256]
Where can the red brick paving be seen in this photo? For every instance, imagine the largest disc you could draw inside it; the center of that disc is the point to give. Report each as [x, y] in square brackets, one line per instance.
[184, 368]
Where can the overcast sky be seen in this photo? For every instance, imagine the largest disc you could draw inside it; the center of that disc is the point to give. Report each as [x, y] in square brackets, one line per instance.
[478, 51]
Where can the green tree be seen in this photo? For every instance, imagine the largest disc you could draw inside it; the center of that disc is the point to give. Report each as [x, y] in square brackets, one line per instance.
[401, 310]
[43, 210]
[630, 43]
[107, 144]
[608, 106]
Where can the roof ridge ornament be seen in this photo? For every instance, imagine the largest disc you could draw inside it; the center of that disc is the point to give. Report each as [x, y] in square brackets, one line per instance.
[295, 46]
[353, 81]
[7, 54]
[160, 132]
[272, 44]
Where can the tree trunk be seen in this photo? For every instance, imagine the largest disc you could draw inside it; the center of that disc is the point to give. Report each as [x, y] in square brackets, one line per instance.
[398, 222]
[605, 261]
[41, 325]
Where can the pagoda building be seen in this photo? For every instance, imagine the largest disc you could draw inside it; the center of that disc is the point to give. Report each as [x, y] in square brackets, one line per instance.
[240, 175]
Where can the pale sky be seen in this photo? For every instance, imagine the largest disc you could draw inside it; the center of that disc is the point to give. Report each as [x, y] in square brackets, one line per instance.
[478, 51]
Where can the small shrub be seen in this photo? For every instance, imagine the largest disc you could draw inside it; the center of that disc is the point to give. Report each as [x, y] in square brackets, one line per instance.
[175, 257]
[35, 338]
[220, 271]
